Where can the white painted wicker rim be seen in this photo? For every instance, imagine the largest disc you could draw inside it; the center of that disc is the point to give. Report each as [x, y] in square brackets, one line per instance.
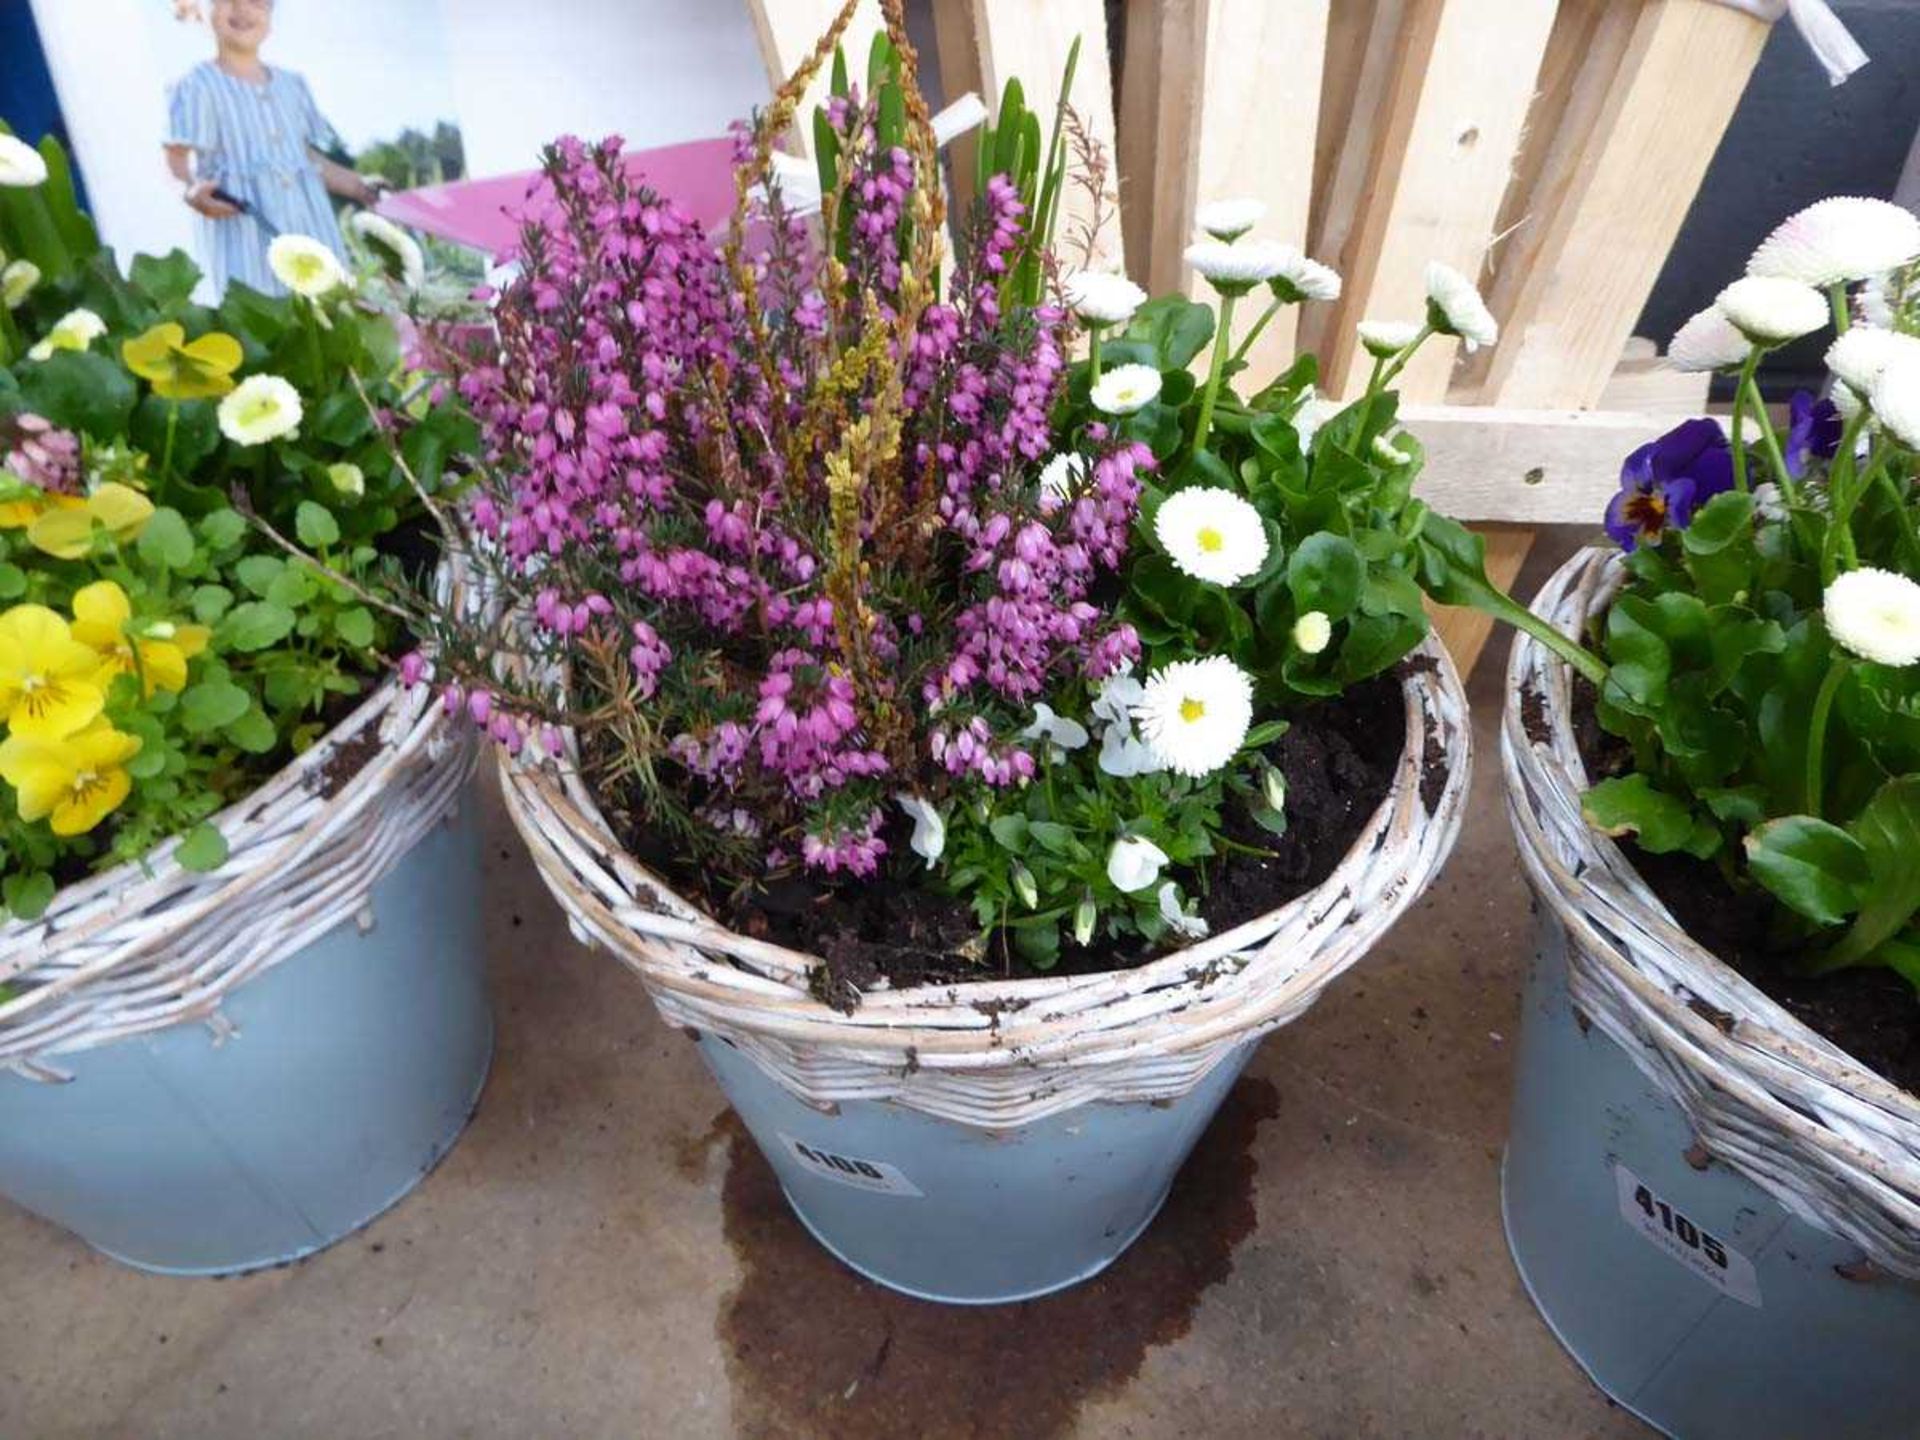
[1000, 1054]
[1833, 1142]
[149, 945]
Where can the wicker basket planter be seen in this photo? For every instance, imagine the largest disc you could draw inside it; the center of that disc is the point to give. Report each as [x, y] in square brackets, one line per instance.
[997, 1140]
[209, 1073]
[1717, 1210]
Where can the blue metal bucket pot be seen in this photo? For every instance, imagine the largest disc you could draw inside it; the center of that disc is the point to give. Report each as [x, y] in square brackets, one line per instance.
[1689, 1295]
[355, 1065]
[969, 1216]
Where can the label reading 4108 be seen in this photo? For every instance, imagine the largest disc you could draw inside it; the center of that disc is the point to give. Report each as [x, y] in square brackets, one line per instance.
[1682, 1239]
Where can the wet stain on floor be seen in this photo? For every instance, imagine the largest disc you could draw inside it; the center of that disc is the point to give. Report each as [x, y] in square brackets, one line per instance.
[815, 1350]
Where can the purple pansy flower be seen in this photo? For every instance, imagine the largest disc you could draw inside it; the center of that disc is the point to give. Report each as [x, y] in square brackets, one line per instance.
[1666, 480]
[1813, 431]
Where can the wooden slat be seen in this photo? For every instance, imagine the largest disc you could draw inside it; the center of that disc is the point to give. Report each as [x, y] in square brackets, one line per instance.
[1138, 121]
[1464, 72]
[1609, 204]
[789, 29]
[1030, 39]
[959, 74]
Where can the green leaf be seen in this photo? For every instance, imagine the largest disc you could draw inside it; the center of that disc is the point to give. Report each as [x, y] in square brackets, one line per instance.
[355, 627]
[201, 849]
[1717, 524]
[1814, 867]
[223, 529]
[212, 705]
[258, 572]
[166, 540]
[1888, 830]
[210, 602]
[1325, 572]
[255, 625]
[315, 525]
[80, 390]
[253, 732]
[1630, 805]
[167, 280]
[27, 895]
[1177, 328]
[1010, 831]
[13, 581]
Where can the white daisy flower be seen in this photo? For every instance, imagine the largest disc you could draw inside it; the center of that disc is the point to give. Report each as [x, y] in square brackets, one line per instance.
[1388, 453]
[929, 828]
[1060, 480]
[1311, 632]
[75, 330]
[1101, 297]
[1211, 534]
[404, 252]
[305, 266]
[1193, 927]
[260, 408]
[1708, 341]
[21, 165]
[1238, 268]
[1846, 237]
[1771, 311]
[1454, 307]
[1314, 412]
[1876, 615]
[1849, 403]
[1059, 731]
[1859, 355]
[1229, 219]
[1125, 388]
[1134, 863]
[1896, 399]
[1305, 279]
[1384, 339]
[17, 282]
[1875, 302]
[1196, 714]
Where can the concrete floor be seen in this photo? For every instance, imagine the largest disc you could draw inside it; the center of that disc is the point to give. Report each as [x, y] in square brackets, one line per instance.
[602, 1256]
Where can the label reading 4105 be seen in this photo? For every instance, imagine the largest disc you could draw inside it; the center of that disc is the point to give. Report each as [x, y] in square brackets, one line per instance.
[877, 1177]
[1681, 1238]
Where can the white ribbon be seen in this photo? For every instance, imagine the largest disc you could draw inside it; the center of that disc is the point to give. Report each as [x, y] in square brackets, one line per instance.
[1837, 51]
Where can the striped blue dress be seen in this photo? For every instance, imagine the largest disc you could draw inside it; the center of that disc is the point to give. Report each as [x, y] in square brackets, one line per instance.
[252, 141]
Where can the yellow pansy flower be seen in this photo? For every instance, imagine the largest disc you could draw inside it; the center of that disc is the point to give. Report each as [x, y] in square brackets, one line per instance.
[21, 504]
[157, 651]
[73, 783]
[68, 530]
[47, 688]
[183, 369]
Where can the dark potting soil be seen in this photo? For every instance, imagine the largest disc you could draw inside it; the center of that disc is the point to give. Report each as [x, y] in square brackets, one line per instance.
[1870, 1012]
[1338, 756]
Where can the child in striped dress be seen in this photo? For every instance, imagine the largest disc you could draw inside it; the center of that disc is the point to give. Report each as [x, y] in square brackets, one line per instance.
[252, 131]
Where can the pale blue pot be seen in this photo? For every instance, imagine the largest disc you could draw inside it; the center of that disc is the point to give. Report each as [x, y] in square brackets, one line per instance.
[354, 1066]
[1774, 1344]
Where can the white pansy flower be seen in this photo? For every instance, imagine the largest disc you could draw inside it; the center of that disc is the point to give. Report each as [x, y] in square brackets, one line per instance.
[1708, 341]
[929, 828]
[1454, 307]
[1876, 615]
[1771, 311]
[1314, 412]
[75, 330]
[1896, 400]
[1229, 219]
[1859, 355]
[348, 478]
[1115, 697]
[1311, 632]
[20, 164]
[1125, 388]
[1193, 927]
[1301, 278]
[381, 233]
[1846, 237]
[17, 282]
[1134, 863]
[1060, 732]
[1237, 268]
[305, 266]
[1101, 297]
[1122, 753]
[1211, 534]
[1060, 479]
[260, 408]
[1383, 339]
[1196, 714]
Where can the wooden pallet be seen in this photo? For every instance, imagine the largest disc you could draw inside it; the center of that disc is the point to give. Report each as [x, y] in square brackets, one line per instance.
[1552, 149]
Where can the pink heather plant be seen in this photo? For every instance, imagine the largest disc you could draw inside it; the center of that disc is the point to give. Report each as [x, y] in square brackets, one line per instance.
[772, 517]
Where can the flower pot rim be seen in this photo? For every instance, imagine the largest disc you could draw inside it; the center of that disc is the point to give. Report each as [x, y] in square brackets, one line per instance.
[1729, 1055]
[1177, 1011]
